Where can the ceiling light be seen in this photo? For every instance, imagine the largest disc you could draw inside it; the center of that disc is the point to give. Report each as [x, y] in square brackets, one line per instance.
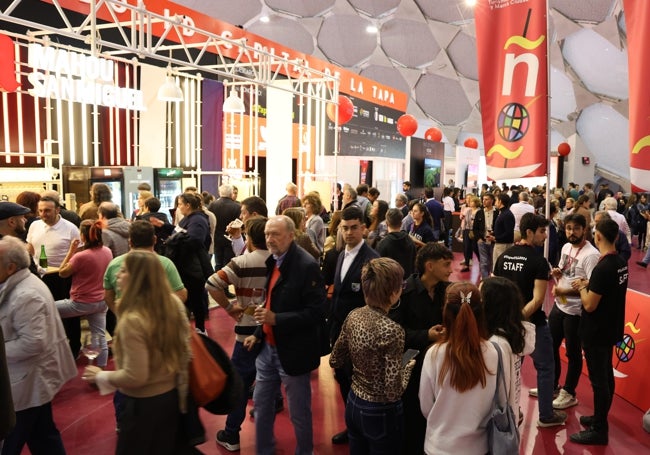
[170, 91]
[372, 29]
[265, 19]
[233, 104]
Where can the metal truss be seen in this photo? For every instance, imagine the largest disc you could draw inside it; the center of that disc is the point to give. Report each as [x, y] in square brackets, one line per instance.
[134, 37]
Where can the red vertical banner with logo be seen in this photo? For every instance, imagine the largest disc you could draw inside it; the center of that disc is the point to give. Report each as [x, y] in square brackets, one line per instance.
[637, 21]
[511, 41]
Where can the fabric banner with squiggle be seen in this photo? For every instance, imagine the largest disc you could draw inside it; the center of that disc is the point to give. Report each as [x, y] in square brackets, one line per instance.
[637, 22]
[511, 41]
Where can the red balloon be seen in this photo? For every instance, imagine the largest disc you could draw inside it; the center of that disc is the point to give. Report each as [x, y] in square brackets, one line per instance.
[563, 149]
[433, 134]
[407, 125]
[471, 143]
[345, 107]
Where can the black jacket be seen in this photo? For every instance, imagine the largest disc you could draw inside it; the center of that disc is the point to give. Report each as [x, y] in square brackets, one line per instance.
[298, 301]
[348, 294]
[478, 228]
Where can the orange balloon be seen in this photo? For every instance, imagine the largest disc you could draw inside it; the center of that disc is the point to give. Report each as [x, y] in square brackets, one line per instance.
[433, 134]
[407, 125]
[563, 149]
[471, 143]
[345, 108]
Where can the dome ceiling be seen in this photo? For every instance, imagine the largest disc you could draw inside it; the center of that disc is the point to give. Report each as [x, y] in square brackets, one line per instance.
[427, 48]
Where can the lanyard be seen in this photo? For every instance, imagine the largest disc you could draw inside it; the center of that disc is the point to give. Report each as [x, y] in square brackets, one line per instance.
[569, 262]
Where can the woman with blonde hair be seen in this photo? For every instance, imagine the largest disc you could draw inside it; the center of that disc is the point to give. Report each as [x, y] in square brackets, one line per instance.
[302, 239]
[314, 225]
[373, 344]
[151, 347]
[459, 377]
[470, 245]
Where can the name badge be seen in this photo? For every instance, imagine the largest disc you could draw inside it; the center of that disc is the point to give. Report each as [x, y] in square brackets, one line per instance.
[356, 287]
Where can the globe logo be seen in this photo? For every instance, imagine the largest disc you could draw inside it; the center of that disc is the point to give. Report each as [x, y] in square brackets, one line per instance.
[513, 122]
[625, 348]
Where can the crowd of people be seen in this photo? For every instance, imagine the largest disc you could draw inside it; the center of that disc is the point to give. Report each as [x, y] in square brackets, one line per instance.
[354, 276]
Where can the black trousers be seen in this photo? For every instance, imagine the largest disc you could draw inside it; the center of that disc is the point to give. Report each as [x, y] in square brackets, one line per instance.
[601, 375]
[34, 427]
[565, 326]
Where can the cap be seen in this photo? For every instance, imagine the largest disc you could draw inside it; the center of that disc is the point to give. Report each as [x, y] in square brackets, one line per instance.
[9, 209]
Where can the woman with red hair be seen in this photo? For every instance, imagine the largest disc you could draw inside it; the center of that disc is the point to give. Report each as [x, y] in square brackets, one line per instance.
[459, 377]
[86, 265]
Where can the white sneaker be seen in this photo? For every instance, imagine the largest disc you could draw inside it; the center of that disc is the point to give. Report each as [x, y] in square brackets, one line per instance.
[564, 400]
[202, 332]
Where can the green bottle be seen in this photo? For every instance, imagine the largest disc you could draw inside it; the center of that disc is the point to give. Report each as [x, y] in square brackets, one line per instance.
[42, 259]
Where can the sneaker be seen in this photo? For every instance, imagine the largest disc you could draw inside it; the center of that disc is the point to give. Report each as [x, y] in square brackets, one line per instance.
[559, 417]
[201, 332]
[590, 437]
[642, 264]
[587, 421]
[463, 263]
[533, 392]
[228, 440]
[564, 400]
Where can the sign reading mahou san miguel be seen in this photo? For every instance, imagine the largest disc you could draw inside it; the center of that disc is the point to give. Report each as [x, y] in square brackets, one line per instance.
[511, 40]
[351, 83]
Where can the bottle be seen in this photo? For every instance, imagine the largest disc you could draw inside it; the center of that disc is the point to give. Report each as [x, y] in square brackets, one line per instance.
[42, 259]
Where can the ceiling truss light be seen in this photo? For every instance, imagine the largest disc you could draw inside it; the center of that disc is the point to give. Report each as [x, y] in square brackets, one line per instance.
[170, 91]
[233, 104]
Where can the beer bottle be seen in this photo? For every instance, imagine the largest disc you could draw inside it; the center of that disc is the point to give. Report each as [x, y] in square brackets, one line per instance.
[42, 260]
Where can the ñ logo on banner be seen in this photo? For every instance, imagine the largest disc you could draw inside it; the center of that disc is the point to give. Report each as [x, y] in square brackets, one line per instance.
[8, 81]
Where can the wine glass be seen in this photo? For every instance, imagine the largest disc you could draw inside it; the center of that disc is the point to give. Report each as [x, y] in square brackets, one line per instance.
[90, 347]
[258, 298]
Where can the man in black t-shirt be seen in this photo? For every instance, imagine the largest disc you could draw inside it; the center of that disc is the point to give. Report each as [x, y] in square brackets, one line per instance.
[522, 264]
[601, 327]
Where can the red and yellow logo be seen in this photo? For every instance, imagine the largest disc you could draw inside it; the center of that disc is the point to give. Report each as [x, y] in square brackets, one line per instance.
[8, 82]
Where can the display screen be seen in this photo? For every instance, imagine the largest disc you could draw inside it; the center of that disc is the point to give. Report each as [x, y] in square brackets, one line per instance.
[432, 170]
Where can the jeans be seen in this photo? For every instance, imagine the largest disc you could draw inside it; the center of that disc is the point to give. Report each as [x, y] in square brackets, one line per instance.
[244, 362]
[601, 375]
[96, 315]
[485, 251]
[267, 385]
[544, 364]
[36, 428]
[374, 428]
[565, 326]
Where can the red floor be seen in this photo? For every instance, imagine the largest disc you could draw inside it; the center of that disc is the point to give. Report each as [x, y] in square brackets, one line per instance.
[87, 424]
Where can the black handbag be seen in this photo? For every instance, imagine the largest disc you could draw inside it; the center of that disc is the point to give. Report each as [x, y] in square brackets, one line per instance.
[503, 434]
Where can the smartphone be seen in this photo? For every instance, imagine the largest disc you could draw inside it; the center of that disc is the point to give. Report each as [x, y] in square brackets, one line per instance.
[409, 355]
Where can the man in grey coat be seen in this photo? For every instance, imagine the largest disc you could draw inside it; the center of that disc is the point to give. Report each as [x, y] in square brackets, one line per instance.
[37, 352]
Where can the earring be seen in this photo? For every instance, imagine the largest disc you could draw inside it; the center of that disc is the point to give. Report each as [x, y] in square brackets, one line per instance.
[395, 305]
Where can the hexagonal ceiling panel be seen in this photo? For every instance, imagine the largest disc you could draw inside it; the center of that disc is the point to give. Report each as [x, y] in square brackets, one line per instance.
[409, 43]
[445, 10]
[287, 31]
[592, 11]
[224, 10]
[462, 51]
[337, 33]
[387, 76]
[443, 99]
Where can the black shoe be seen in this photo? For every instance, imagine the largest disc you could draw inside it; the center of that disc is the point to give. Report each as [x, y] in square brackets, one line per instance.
[589, 437]
[228, 440]
[642, 264]
[465, 269]
[340, 438]
[587, 421]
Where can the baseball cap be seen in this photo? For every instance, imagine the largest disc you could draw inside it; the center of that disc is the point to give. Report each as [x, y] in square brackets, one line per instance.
[9, 209]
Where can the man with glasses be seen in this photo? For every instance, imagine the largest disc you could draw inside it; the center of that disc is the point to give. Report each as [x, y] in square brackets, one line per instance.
[419, 312]
[347, 289]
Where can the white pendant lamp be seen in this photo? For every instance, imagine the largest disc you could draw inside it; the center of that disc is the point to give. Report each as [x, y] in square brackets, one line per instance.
[233, 104]
[170, 91]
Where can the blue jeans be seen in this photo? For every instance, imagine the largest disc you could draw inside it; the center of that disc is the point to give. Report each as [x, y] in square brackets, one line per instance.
[96, 315]
[374, 428]
[244, 362]
[270, 376]
[601, 375]
[565, 326]
[485, 258]
[545, 366]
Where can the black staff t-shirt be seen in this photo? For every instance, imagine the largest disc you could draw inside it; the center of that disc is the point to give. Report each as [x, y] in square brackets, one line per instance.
[604, 326]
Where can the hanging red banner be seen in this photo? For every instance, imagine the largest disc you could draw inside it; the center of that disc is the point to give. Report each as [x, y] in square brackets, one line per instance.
[637, 21]
[511, 41]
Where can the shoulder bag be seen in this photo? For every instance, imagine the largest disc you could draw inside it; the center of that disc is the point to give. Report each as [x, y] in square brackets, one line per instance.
[503, 434]
[207, 378]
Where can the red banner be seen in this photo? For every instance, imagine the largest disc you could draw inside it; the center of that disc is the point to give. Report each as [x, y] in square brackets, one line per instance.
[511, 40]
[637, 21]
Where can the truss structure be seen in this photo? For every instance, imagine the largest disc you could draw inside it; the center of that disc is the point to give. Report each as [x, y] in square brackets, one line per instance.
[235, 60]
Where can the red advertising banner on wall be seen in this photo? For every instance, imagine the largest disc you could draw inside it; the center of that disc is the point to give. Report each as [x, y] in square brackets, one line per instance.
[511, 41]
[637, 21]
